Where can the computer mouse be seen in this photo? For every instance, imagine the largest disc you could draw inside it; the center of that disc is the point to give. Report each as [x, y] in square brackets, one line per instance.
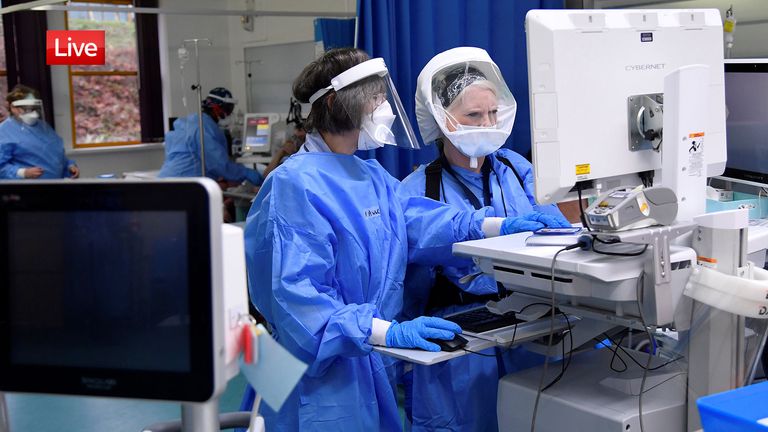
[454, 344]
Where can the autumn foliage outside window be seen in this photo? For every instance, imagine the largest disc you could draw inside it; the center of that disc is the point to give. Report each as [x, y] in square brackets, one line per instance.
[105, 99]
[3, 76]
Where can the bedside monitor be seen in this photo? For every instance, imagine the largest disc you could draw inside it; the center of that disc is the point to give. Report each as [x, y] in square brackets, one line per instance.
[583, 68]
[113, 288]
[746, 121]
[257, 132]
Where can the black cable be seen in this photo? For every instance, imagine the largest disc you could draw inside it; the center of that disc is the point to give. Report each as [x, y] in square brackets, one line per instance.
[551, 331]
[631, 357]
[582, 215]
[619, 254]
[478, 353]
[651, 352]
[565, 362]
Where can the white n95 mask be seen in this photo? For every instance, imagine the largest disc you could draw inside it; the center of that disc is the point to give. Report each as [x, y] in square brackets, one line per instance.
[376, 128]
[30, 118]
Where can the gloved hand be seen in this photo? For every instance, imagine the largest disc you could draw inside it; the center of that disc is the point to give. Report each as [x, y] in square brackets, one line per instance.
[553, 221]
[531, 222]
[528, 222]
[414, 333]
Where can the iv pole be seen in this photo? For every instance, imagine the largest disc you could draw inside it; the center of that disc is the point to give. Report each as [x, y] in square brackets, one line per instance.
[198, 89]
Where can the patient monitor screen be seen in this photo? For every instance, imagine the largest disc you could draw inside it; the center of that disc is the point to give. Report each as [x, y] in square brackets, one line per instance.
[257, 134]
[746, 100]
[99, 289]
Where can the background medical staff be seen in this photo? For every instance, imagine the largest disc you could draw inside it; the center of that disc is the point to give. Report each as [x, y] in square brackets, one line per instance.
[327, 241]
[182, 144]
[463, 104]
[29, 147]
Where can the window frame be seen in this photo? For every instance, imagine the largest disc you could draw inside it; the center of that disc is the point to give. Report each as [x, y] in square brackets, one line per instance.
[71, 73]
[4, 77]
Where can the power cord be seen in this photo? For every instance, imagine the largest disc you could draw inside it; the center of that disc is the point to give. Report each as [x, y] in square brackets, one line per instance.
[551, 331]
[618, 347]
[651, 352]
[582, 215]
[567, 361]
[619, 254]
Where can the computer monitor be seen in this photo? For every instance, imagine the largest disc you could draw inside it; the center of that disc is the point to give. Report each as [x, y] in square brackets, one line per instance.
[113, 288]
[585, 66]
[257, 132]
[746, 121]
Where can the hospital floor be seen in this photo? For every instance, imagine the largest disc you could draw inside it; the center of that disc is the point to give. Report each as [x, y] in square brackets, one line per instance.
[45, 413]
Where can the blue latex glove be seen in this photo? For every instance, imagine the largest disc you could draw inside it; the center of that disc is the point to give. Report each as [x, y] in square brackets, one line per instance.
[512, 225]
[553, 221]
[414, 333]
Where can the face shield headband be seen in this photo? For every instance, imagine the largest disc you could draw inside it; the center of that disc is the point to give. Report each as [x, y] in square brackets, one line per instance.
[32, 109]
[370, 99]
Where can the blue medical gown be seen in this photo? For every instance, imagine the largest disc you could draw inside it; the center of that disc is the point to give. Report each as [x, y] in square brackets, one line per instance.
[460, 395]
[24, 146]
[327, 240]
[182, 152]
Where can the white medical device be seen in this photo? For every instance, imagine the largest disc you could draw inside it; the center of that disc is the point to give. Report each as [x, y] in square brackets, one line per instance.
[625, 208]
[257, 132]
[121, 289]
[596, 80]
[620, 98]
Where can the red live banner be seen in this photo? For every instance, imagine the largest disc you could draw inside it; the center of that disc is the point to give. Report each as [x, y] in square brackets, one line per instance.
[74, 47]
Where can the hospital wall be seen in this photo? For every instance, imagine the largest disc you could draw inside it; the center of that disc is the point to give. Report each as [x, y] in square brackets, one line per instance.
[217, 67]
[218, 62]
[751, 35]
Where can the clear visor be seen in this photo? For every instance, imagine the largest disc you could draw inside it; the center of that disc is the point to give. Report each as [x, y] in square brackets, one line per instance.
[369, 98]
[28, 108]
[375, 108]
[472, 96]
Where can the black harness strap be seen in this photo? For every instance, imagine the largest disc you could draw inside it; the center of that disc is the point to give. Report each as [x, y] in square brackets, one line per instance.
[506, 162]
[444, 293]
[434, 176]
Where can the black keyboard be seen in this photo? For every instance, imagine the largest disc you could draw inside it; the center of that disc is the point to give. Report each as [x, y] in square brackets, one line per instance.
[481, 320]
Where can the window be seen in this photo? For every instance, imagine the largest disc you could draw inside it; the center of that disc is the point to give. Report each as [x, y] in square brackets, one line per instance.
[104, 100]
[3, 76]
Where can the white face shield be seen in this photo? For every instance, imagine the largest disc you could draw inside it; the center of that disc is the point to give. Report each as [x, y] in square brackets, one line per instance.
[31, 110]
[370, 99]
[461, 95]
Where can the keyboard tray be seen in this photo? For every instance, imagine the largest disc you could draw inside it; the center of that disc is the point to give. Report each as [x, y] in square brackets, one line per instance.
[481, 320]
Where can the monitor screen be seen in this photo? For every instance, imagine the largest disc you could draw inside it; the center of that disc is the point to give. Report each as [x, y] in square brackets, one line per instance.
[588, 69]
[257, 134]
[746, 101]
[107, 290]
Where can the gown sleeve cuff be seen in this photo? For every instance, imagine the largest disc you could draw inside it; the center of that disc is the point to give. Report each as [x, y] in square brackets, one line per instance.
[379, 328]
[20, 172]
[492, 226]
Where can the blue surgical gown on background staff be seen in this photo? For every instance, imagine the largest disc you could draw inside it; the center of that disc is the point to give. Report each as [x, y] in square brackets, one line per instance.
[182, 152]
[460, 395]
[24, 146]
[327, 241]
